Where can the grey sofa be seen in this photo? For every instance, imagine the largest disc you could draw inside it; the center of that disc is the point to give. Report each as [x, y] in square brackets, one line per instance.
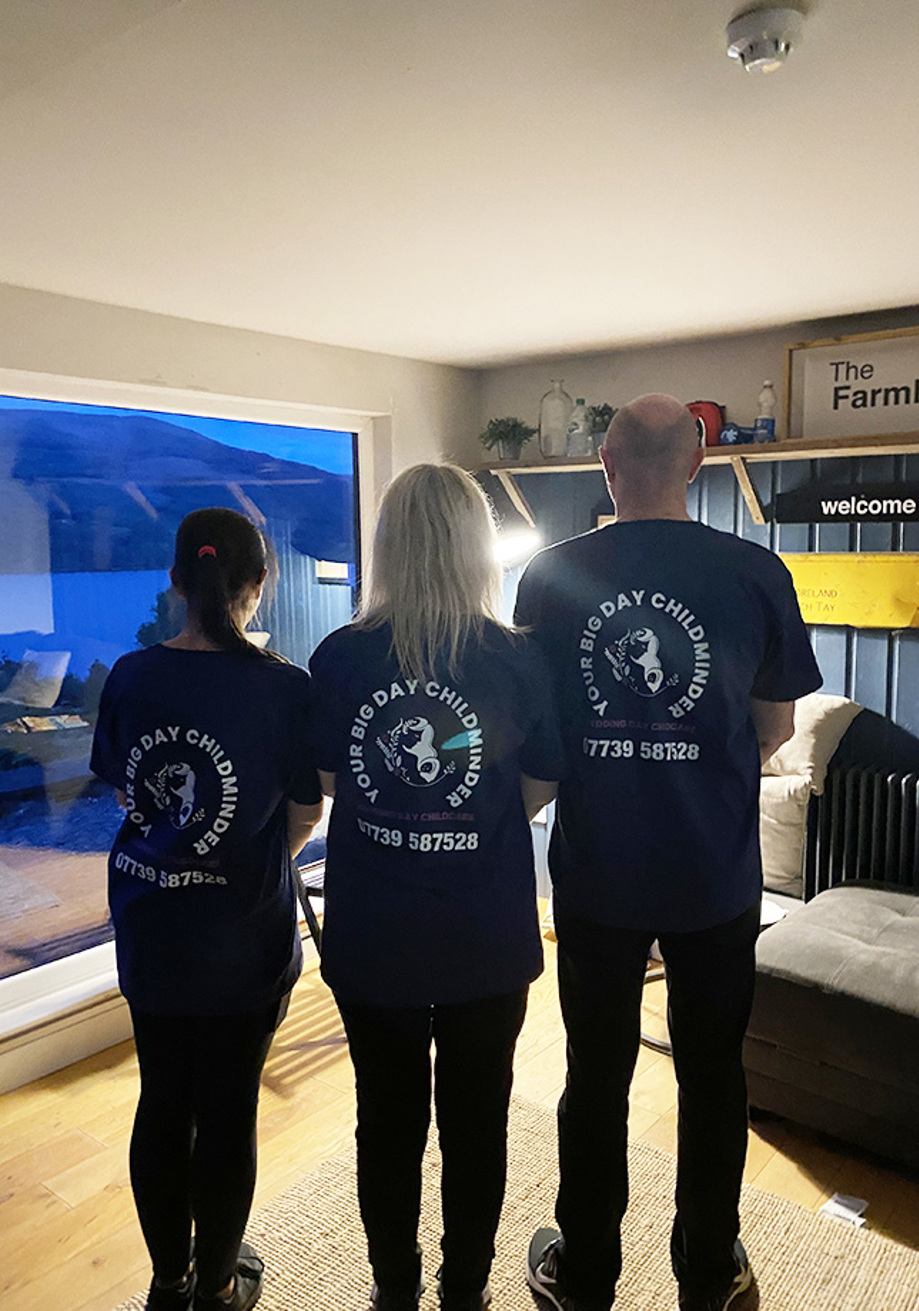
[833, 1041]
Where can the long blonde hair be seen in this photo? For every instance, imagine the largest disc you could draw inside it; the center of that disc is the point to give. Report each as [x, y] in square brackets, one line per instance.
[433, 573]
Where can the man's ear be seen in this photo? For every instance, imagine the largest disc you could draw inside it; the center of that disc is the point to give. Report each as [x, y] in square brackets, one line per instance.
[697, 458]
[606, 459]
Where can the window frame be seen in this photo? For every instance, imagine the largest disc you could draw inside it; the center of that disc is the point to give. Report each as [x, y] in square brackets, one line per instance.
[33, 998]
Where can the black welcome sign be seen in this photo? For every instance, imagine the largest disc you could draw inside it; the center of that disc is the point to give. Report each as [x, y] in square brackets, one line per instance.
[869, 503]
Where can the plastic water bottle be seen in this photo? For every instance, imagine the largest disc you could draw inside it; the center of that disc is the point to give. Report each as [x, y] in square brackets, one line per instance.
[554, 410]
[764, 426]
[579, 438]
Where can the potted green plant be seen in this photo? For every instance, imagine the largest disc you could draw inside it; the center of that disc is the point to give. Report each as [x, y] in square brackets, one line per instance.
[506, 437]
[601, 416]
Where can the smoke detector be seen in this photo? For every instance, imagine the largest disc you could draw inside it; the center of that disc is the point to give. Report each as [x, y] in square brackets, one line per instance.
[763, 38]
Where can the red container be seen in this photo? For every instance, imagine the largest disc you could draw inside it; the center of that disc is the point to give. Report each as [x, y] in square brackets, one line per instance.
[709, 417]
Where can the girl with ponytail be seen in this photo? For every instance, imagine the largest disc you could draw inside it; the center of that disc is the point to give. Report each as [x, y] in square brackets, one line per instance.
[202, 737]
[222, 562]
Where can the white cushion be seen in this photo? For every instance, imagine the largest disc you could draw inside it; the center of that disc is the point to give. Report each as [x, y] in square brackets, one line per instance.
[37, 682]
[820, 722]
[782, 828]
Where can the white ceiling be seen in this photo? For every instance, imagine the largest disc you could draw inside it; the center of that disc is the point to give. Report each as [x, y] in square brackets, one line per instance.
[467, 181]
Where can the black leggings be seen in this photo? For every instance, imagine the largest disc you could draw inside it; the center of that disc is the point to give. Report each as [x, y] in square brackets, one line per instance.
[193, 1147]
[473, 1071]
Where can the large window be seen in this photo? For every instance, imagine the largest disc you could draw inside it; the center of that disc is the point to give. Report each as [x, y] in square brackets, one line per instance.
[90, 498]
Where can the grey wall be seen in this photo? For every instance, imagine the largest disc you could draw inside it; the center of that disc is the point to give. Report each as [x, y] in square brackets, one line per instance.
[422, 411]
[727, 369]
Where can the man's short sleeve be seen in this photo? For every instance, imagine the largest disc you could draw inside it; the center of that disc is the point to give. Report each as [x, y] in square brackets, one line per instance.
[542, 755]
[529, 603]
[789, 670]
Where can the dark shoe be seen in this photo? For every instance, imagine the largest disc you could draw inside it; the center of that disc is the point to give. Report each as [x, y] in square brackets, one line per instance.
[381, 1300]
[719, 1301]
[542, 1270]
[247, 1286]
[172, 1299]
[463, 1301]
[467, 1301]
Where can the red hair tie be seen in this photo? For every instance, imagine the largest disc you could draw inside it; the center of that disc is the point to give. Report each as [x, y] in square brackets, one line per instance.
[207, 550]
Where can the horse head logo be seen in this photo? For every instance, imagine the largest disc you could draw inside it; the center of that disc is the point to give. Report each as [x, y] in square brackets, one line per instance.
[409, 752]
[173, 790]
[636, 662]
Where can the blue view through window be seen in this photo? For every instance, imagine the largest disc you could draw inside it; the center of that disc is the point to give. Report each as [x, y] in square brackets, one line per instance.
[90, 499]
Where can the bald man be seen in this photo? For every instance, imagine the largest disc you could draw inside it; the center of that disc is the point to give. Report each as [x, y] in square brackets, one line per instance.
[677, 653]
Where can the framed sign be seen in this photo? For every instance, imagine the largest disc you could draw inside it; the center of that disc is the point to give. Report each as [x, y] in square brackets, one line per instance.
[848, 503]
[865, 591]
[859, 386]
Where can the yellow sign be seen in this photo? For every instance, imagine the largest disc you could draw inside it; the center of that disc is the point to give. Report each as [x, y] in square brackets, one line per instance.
[866, 591]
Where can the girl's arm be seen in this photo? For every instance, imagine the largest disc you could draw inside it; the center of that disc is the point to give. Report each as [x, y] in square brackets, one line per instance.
[301, 820]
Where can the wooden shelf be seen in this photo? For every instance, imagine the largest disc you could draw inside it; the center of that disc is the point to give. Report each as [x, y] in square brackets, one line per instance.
[559, 464]
[824, 448]
[738, 457]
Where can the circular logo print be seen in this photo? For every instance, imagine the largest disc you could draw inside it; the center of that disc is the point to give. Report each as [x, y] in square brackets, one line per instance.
[181, 782]
[418, 736]
[649, 645]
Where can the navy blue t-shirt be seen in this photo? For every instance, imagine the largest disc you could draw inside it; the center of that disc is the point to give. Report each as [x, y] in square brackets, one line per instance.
[657, 634]
[208, 746]
[429, 886]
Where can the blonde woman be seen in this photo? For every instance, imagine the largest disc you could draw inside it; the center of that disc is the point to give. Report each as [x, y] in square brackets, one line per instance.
[436, 736]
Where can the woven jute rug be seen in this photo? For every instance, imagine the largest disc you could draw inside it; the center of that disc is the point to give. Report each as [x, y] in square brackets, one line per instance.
[313, 1244]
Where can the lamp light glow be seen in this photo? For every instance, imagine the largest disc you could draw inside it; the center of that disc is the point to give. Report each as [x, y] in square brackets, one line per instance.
[512, 548]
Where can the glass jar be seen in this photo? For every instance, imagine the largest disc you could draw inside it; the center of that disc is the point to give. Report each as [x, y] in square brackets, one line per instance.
[554, 411]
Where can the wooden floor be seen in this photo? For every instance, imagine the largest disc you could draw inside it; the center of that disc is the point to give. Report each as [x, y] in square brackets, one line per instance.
[70, 911]
[68, 1235]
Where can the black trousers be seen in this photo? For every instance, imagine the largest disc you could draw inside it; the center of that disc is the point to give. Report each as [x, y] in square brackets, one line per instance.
[710, 978]
[473, 1068]
[193, 1150]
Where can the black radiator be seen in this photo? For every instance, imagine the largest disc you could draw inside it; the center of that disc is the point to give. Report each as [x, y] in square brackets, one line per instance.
[864, 826]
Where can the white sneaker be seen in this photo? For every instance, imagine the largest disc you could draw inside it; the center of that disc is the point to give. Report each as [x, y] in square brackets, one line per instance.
[542, 1269]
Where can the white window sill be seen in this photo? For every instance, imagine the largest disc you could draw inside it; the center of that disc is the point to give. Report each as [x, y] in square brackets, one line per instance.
[35, 996]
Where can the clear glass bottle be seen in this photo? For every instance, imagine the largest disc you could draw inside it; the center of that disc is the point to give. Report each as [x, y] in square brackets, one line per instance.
[579, 439]
[554, 411]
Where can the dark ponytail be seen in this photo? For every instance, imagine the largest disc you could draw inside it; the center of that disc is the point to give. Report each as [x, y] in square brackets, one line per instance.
[219, 555]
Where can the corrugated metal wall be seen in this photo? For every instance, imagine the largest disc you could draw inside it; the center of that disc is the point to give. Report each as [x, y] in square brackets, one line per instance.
[879, 668]
[303, 610]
